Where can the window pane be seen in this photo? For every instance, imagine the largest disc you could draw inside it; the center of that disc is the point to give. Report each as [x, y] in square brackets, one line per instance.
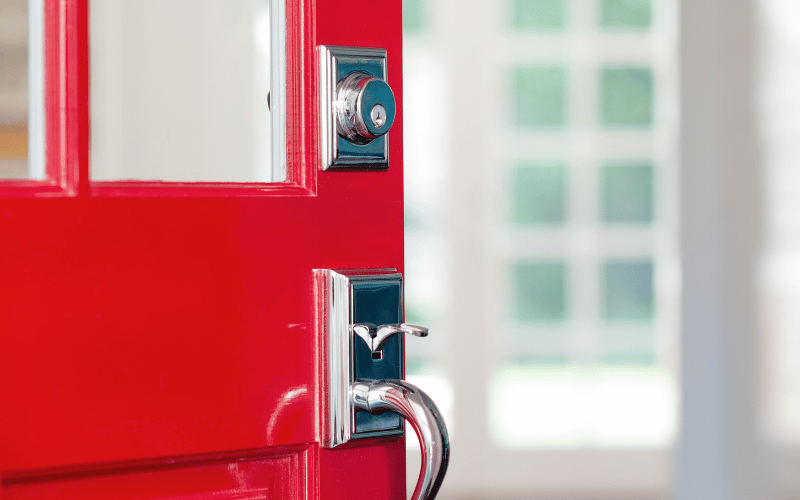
[181, 90]
[578, 406]
[634, 14]
[623, 358]
[538, 96]
[547, 15]
[627, 96]
[13, 151]
[629, 344]
[538, 194]
[413, 16]
[628, 290]
[14, 89]
[540, 291]
[627, 193]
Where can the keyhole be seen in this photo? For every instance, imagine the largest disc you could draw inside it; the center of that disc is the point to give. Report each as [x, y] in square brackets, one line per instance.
[378, 115]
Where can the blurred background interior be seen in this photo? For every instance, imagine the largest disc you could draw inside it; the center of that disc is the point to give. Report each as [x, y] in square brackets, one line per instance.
[602, 214]
[602, 230]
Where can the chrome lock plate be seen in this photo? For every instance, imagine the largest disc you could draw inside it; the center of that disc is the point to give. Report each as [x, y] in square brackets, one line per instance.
[360, 323]
[357, 108]
[364, 311]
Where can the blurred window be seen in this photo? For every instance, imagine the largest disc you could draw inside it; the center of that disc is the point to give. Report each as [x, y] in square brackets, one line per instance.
[627, 194]
[634, 14]
[540, 290]
[538, 95]
[538, 14]
[578, 259]
[627, 97]
[779, 108]
[628, 290]
[539, 195]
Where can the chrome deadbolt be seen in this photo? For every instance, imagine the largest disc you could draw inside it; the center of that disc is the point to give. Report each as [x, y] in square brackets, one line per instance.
[357, 108]
[365, 107]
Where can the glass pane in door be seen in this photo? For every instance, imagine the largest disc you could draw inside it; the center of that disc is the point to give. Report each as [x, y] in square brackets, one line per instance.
[181, 90]
[21, 95]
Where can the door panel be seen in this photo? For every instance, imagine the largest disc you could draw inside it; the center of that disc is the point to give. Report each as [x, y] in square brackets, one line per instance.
[375, 470]
[281, 476]
[162, 326]
[161, 340]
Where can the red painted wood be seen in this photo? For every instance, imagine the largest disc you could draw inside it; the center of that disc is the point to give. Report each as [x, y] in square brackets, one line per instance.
[159, 339]
[374, 471]
[282, 475]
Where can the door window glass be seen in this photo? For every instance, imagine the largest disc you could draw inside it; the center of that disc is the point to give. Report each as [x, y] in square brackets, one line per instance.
[187, 90]
[21, 101]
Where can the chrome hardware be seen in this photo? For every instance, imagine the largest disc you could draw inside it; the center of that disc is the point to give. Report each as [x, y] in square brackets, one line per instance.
[357, 108]
[337, 291]
[411, 403]
[378, 115]
[365, 107]
[363, 401]
[376, 336]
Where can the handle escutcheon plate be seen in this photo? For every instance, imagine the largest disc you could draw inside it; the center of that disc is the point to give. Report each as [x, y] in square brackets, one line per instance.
[358, 351]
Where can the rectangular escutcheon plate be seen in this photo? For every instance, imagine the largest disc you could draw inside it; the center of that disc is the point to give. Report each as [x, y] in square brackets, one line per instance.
[349, 298]
[337, 152]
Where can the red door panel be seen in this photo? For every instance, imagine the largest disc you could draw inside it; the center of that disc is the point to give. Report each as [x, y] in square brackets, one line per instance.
[281, 476]
[160, 327]
[160, 340]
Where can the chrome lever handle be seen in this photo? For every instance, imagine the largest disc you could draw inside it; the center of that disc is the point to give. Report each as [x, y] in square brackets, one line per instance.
[411, 403]
[381, 334]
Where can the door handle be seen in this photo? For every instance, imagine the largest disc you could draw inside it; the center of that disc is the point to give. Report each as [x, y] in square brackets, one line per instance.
[411, 403]
[376, 336]
[365, 394]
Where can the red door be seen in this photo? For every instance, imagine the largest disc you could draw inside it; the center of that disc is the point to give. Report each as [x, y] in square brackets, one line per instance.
[161, 340]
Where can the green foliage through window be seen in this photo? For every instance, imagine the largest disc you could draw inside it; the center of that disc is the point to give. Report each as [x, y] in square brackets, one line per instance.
[538, 15]
[539, 194]
[413, 16]
[627, 96]
[538, 96]
[541, 289]
[627, 194]
[630, 14]
[628, 290]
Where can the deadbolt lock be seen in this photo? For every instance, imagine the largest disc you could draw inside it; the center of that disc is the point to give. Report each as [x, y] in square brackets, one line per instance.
[365, 107]
[357, 108]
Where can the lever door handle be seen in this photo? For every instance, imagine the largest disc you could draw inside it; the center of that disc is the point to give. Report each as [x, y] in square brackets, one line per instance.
[411, 403]
[361, 386]
[376, 336]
